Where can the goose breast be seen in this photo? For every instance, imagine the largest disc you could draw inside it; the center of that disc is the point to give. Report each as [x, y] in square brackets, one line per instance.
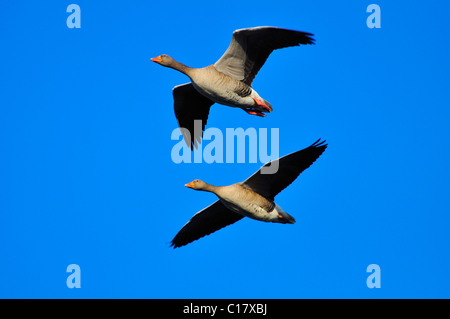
[246, 202]
[222, 88]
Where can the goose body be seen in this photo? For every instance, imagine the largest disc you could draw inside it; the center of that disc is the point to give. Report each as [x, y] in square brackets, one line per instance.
[223, 89]
[229, 80]
[253, 198]
[246, 202]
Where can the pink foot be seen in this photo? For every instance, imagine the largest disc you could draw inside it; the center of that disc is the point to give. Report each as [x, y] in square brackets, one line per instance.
[255, 113]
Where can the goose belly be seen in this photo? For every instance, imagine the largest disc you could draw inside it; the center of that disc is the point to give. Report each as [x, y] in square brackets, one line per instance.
[223, 94]
[248, 209]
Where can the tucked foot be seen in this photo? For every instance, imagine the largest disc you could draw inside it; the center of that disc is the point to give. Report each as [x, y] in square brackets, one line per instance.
[254, 112]
[258, 101]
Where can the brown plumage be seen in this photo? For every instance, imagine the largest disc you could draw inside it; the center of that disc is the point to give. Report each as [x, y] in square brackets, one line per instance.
[229, 80]
[252, 198]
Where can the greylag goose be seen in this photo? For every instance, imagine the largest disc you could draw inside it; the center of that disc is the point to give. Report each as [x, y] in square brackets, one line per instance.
[229, 80]
[252, 198]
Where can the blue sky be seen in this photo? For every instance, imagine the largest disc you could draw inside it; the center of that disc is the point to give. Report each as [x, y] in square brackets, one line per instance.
[86, 175]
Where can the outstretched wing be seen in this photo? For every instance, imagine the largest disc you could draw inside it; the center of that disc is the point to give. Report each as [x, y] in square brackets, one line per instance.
[205, 222]
[289, 168]
[190, 106]
[250, 48]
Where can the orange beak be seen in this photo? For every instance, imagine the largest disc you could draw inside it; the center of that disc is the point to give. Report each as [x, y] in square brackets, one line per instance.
[190, 185]
[157, 59]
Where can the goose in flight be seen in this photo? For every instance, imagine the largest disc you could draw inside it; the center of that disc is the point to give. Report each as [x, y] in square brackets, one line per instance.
[252, 198]
[229, 80]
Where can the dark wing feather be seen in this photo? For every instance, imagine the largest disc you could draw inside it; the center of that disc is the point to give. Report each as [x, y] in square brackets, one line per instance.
[205, 222]
[189, 106]
[289, 168]
[250, 48]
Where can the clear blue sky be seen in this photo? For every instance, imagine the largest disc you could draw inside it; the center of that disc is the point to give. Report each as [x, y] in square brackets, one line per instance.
[86, 175]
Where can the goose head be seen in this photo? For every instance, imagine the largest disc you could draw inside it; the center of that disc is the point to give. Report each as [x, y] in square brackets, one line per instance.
[164, 60]
[197, 185]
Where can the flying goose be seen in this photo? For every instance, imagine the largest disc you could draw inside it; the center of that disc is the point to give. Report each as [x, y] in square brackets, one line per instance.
[229, 80]
[252, 198]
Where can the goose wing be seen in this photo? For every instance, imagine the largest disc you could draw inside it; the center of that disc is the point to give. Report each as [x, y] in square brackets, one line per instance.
[289, 168]
[250, 48]
[205, 222]
[190, 106]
